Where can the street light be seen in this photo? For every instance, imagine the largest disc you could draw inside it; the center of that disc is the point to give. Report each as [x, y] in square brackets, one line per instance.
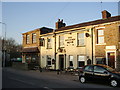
[4, 46]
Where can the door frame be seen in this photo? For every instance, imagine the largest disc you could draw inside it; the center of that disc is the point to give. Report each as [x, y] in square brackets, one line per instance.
[63, 61]
[109, 51]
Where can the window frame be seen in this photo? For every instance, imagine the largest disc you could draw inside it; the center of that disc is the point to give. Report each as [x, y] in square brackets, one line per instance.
[71, 60]
[49, 44]
[99, 36]
[80, 39]
[42, 42]
[61, 41]
[78, 60]
[27, 39]
[34, 39]
[49, 59]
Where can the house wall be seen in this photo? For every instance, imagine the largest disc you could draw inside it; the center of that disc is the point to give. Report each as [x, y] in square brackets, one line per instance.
[72, 48]
[111, 39]
[37, 32]
[44, 51]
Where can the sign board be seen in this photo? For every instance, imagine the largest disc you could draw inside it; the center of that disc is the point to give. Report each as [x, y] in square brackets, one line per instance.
[111, 47]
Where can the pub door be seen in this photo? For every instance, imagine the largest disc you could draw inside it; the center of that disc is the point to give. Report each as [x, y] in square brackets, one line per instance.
[111, 59]
[61, 62]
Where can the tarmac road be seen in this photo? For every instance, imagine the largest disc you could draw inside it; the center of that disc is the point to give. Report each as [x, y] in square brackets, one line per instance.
[13, 78]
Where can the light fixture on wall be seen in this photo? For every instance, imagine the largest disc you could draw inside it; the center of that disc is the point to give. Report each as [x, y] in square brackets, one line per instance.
[87, 34]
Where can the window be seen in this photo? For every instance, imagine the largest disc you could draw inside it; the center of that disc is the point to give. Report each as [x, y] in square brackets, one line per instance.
[100, 37]
[61, 41]
[33, 38]
[89, 68]
[100, 60]
[71, 60]
[27, 39]
[49, 43]
[49, 60]
[99, 69]
[81, 39]
[81, 61]
[42, 42]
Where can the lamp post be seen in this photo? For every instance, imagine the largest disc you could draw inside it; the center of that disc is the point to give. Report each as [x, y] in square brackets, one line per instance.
[4, 45]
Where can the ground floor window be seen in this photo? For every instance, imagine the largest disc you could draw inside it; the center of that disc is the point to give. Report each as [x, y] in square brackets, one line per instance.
[70, 60]
[49, 62]
[100, 60]
[31, 58]
[81, 61]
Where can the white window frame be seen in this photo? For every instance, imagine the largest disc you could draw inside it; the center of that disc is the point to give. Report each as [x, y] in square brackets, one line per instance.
[81, 39]
[80, 59]
[100, 36]
[61, 41]
[27, 39]
[49, 43]
[34, 38]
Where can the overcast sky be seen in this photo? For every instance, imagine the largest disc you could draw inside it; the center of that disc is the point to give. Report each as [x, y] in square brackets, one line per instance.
[21, 17]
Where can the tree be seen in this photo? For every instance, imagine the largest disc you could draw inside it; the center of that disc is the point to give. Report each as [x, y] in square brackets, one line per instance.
[10, 48]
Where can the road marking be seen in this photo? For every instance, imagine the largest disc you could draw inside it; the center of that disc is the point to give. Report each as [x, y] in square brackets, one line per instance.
[47, 88]
[22, 81]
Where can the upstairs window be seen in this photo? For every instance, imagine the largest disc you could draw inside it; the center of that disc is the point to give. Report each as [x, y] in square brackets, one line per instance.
[49, 43]
[27, 39]
[61, 41]
[81, 39]
[33, 38]
[42, 42]
[100, 36]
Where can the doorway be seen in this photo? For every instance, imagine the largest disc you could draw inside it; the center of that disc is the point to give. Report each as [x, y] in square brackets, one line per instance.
[111, 59]
[61, 62]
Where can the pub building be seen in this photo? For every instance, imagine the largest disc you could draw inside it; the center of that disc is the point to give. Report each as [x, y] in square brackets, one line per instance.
[93, 42]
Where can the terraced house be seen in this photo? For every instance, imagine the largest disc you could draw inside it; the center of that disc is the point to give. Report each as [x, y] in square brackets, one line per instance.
[93, 42]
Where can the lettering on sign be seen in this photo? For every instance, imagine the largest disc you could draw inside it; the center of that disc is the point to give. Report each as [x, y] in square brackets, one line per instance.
[110, 47]
[70, 41]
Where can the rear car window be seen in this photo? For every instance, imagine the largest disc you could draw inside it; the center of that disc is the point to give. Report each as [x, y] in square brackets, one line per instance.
[89, 68]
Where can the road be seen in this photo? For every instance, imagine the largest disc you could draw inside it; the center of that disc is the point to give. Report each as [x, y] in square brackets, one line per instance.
[13, 78]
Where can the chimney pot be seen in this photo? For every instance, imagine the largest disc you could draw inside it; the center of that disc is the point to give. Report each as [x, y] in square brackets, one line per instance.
[105, 14]
[60, 24]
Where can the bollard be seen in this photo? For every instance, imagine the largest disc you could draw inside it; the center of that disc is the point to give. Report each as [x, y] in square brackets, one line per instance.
[58, 72]
[40, 69]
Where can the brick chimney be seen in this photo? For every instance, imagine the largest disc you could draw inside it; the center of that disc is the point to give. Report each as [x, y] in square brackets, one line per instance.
[105, 14]
[60, 24]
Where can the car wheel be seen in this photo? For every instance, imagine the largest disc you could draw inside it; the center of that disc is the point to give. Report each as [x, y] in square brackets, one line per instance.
[82, 79]
[113, 83]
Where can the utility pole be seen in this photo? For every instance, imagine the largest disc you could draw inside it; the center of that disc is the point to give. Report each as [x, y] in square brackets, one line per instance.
[4, 45]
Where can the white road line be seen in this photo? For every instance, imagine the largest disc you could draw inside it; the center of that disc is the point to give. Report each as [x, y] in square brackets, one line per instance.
[22, 81]
[47, 88]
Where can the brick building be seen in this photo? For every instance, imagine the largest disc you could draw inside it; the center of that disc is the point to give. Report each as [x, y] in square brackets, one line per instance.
[30, 51]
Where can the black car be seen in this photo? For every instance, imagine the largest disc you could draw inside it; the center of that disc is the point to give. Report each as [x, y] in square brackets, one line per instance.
[102, 73]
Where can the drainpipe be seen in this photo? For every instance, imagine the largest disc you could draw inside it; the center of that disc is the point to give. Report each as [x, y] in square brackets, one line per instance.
[92, 43]
[40, 53]
[55, 48]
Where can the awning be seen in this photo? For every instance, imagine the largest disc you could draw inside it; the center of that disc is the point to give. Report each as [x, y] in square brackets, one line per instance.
[30, 50]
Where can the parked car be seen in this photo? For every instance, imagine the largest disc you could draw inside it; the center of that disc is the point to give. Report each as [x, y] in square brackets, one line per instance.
[78, 70]
[101, 73]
